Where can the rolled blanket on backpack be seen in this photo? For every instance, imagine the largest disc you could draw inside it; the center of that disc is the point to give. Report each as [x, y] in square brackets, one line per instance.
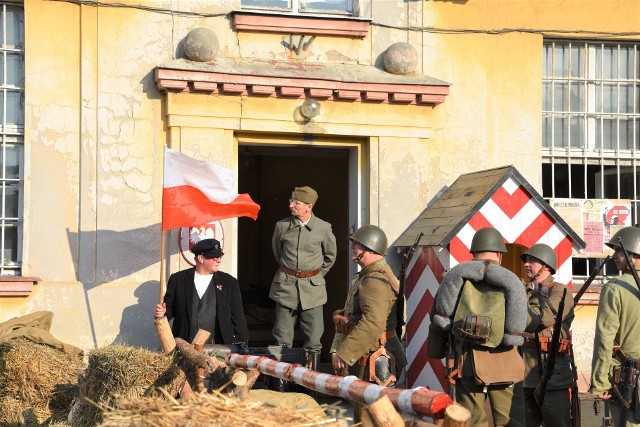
[494, 275]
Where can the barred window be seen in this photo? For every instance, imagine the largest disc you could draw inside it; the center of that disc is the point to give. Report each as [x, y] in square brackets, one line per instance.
[11, 136]
[591, 123]
[334, 7]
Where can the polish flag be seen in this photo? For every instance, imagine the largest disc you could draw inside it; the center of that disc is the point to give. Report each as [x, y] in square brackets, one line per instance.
[198, 192]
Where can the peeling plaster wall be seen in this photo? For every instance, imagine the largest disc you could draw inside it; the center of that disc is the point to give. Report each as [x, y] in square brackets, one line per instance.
[96, 124]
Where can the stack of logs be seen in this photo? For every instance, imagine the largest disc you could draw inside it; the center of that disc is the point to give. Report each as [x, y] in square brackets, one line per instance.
[238, 373]
[195, 366]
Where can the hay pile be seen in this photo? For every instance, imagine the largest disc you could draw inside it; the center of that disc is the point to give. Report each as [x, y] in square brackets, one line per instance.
[37, 383]
[119, 372]
[211, 410]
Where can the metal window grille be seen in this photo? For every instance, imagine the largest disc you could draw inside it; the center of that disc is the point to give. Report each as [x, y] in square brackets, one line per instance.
[11, 136]
[591, 124]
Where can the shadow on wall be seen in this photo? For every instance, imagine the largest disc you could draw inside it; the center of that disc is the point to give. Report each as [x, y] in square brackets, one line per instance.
[120, 253]
[136, 324]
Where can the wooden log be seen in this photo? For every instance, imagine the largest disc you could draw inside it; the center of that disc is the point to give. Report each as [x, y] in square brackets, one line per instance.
[197, 359]
[199, 370]
[242, 392]
[213, 368]
[179, 386]
[201, 337]
[457, 416]
[198, 343]
[167, 341]
[384, 414]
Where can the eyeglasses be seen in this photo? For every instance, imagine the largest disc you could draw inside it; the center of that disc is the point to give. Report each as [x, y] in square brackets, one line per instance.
[297, 202]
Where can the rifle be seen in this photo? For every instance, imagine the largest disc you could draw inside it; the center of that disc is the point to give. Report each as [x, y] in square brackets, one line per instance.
[596, 271]
[406, 258]
[541, 389]
[575, 399]
[451, 366]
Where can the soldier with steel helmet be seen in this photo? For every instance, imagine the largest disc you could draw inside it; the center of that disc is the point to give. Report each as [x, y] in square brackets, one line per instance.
[365, 343]
[616, 347]
[545, 295]
[477, 322]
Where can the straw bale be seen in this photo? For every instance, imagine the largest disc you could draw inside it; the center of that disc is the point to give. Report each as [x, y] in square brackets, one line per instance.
[119, 372]
[211, 410]
[37, 383]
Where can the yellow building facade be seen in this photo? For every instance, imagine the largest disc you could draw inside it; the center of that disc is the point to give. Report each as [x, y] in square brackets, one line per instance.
[107, 85]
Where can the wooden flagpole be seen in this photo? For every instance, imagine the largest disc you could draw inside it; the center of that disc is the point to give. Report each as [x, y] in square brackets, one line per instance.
[162, 273]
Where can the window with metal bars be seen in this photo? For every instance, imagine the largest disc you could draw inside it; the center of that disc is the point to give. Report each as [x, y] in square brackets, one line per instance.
[11, 136]
[591, 124]
[333, 7]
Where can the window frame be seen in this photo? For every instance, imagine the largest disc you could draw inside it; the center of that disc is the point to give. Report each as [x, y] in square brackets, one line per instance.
[601, 168]
[297, 7]
[12, 136]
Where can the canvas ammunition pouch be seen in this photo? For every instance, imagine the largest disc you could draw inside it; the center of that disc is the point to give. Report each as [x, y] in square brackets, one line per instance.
[437, 341]
[497, 366]
[475, 329]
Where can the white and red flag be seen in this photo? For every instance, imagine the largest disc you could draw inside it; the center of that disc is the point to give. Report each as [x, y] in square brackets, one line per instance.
[198, 192]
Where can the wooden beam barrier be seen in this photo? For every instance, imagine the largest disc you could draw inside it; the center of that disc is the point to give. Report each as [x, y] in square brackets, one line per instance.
[418, 401]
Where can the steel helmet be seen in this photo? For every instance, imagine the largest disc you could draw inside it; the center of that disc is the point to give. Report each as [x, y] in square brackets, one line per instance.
[544, 254]
[487, 240]
[371, 237]
[630, 237]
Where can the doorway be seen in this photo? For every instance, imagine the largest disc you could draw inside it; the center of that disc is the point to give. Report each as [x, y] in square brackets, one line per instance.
[269, 173]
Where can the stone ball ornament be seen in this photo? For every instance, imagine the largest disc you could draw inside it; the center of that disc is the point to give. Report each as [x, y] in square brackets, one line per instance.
[201, 44]
[400, 58]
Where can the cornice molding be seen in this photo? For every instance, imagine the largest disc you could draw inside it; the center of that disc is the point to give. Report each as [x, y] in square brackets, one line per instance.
[190, 81]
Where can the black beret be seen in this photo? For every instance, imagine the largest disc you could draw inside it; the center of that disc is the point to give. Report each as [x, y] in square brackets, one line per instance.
[209, 248]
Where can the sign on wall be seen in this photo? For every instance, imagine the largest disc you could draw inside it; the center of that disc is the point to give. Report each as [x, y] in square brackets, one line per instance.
[189, 236]
[595, 220]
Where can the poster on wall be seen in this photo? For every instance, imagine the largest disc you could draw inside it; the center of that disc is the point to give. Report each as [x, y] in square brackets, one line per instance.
[595, 221]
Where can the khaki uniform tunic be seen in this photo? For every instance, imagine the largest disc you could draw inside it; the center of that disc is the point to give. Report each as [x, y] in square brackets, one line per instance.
[302, 248]
[369, 301]
[617, 319]
[556, 409]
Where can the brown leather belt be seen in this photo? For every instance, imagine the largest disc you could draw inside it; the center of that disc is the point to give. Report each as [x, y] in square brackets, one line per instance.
[545, 344]
[300, 274]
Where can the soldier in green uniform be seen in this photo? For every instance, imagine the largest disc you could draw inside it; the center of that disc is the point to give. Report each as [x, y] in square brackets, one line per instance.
[544, 296]
[305, 248]
[618, 320]
[368, 319]
[483, 308]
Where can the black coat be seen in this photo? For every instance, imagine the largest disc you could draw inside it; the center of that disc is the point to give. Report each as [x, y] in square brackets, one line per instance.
[230, 316]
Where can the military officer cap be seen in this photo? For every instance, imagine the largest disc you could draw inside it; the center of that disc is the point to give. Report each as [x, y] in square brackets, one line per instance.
[305, 194]
[209, 248]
